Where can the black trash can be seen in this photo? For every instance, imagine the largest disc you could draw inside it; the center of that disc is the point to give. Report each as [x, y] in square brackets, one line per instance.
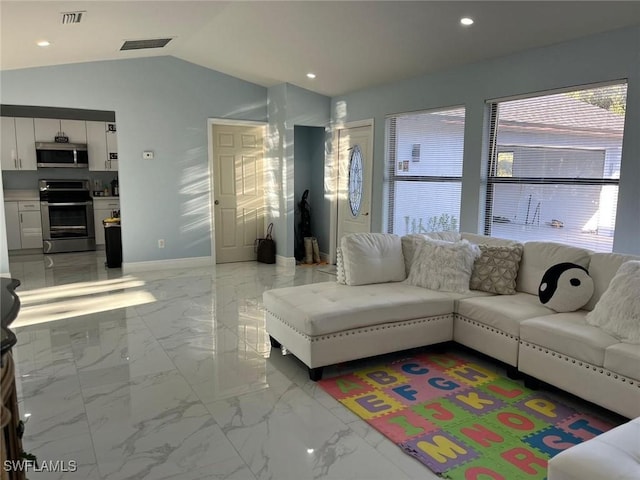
[113, 243]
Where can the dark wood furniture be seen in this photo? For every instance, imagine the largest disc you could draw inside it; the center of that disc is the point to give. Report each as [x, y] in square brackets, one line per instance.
[10, 442]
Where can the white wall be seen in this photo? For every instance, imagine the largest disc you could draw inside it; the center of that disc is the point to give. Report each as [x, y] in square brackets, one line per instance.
[598, 58]
[161, 104]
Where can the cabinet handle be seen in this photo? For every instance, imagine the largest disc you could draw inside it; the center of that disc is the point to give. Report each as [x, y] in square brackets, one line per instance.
[21, 218]
[20, 161]
[15, 163]
[105, 165]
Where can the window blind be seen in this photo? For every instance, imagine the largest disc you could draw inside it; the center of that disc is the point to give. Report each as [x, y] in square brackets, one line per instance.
[424, 170]
[554, 166]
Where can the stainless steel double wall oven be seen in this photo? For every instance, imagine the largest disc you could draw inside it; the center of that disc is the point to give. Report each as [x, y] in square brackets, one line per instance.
[67, 216]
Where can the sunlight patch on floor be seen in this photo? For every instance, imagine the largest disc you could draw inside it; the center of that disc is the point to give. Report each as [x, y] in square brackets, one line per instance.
[75, 299]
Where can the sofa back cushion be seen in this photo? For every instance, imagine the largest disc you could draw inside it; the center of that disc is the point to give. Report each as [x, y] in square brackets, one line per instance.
[372, 258]
[602, 268]
[537, 257]
[486, 240]
[411, 242]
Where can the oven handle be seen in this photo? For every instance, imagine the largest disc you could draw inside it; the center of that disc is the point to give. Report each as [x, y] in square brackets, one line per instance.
[66, 204]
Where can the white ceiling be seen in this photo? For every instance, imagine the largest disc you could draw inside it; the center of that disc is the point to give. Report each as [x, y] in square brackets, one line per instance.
[350, 45]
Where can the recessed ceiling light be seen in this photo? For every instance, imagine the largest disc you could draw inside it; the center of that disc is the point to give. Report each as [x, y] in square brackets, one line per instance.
[311, 75]
[466, 21]
[43, 43]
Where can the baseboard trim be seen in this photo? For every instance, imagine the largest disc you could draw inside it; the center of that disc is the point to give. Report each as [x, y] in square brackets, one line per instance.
[285, 261]
[192, 262]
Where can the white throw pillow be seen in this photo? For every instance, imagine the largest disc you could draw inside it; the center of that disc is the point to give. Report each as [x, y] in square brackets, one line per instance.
[412, 241]
[372, 258]
[443, 266]
[618, 310]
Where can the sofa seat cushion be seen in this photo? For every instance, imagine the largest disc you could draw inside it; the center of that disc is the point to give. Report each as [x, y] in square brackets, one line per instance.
[623, 358]
[328, 307]
[569, 334]
[504, 312]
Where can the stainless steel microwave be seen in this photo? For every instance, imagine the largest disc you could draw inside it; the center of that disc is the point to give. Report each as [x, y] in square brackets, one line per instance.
[62, 155]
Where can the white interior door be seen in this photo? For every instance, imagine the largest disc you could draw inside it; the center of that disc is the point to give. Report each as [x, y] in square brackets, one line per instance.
[355, 149]
[238, 154]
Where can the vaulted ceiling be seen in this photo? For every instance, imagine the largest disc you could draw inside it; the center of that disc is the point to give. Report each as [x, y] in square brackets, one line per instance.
[349, 45]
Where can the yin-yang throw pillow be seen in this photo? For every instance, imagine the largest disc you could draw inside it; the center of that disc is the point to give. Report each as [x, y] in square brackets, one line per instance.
[565, 287]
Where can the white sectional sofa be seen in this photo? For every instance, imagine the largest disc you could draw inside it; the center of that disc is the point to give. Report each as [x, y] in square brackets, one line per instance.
[328, 323]
[614, 455]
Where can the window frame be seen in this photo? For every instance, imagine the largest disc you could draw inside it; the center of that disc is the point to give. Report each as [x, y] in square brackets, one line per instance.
[392, 160]
[493, 179]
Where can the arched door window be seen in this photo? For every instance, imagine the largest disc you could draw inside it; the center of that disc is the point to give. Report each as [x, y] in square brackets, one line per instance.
[355, 180]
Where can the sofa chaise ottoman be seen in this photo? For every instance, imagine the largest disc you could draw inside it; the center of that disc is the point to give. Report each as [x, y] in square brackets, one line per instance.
[327, 323]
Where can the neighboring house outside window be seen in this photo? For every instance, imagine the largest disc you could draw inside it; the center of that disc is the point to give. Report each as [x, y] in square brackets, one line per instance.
[424, 176]
[554, 167]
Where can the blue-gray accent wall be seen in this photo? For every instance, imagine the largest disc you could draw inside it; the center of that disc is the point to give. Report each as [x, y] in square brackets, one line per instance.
[161, 104]
[598, 58]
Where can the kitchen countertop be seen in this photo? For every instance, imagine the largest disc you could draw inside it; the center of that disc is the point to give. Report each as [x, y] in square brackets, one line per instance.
[21, 195]
[34, 195]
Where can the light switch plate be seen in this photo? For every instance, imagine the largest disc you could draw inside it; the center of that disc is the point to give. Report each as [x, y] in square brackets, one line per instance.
[147, 155]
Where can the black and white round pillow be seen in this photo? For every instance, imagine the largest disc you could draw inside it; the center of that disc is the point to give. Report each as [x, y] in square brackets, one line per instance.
[565, 287]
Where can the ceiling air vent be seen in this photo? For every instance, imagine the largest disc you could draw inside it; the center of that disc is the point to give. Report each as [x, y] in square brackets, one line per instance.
[72, 17]
[139, 44]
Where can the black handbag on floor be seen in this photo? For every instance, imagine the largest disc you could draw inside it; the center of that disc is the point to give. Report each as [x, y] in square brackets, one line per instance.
[266, 247]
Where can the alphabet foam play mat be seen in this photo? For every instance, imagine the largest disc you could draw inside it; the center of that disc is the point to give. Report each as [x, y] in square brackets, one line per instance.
[462, 420]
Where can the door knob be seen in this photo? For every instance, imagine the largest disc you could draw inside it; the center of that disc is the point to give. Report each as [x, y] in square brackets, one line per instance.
[365, 214]
[216, 202]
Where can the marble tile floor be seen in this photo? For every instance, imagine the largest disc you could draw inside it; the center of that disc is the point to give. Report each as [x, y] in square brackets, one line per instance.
[170, 375]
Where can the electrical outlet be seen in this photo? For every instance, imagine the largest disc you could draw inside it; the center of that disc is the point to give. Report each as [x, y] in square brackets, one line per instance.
[161, 243]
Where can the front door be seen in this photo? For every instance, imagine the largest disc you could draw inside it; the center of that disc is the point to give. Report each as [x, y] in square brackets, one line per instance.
[238, 154]
[355, 148]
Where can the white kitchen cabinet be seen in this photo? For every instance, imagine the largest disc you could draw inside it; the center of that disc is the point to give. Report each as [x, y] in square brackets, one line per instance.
[46, 129]
[102, 208]
[8, 149]
[112, 146]
[24, 224]
[18, 150]
[30, 224]
[76, 130]
[12, 219]
[102, 146]
[97, 146]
